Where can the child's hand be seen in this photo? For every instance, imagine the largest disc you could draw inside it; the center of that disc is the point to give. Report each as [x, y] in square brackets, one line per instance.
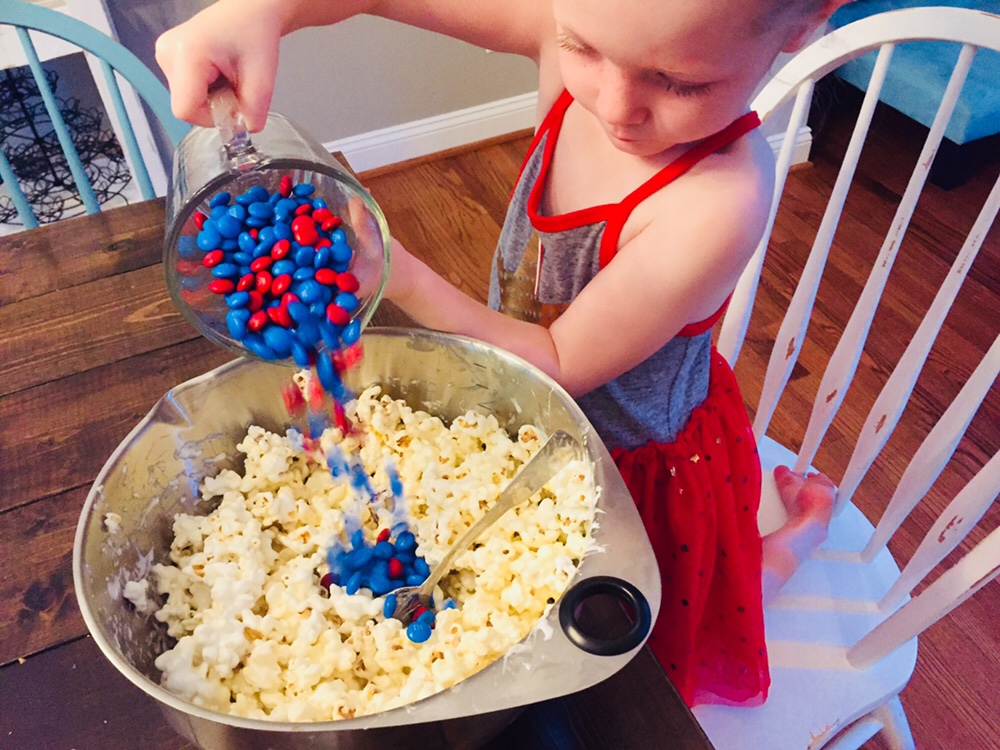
[237, 41]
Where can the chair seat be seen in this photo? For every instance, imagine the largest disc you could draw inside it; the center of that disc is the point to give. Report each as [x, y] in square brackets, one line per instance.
[919, 72]
[823, 610]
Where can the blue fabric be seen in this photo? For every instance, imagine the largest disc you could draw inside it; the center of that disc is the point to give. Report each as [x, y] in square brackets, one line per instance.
[919, 73]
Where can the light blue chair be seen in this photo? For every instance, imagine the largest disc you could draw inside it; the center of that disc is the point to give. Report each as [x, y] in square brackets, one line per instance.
[114, 58]
[916, 80]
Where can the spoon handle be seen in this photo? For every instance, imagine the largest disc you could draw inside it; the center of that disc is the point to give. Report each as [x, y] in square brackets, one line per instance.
[558, 450]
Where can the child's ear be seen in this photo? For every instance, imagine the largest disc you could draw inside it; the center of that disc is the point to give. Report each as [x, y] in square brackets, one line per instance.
[803, 29]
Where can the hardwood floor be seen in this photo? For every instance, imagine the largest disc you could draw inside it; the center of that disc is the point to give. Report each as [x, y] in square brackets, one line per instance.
[459, 200]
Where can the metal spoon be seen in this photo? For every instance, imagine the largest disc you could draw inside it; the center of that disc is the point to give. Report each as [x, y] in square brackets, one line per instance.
[559, 450]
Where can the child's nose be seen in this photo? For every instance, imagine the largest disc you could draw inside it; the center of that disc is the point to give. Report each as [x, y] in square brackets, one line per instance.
[619, 100]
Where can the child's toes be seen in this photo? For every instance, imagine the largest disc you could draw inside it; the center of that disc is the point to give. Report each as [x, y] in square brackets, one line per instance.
[789, 483]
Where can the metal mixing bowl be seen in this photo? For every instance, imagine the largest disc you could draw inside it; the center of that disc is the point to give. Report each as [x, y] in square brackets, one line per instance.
[192, 432]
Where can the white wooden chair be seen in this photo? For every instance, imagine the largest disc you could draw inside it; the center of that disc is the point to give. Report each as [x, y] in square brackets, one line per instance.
[842, 635]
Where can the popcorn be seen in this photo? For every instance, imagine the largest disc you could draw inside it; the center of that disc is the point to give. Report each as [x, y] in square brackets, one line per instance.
[258, 637]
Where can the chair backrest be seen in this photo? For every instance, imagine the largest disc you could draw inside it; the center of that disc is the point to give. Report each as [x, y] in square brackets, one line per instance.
[113, 60]
[795, 82]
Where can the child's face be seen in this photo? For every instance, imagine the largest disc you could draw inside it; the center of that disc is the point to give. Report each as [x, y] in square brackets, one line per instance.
[657, 73]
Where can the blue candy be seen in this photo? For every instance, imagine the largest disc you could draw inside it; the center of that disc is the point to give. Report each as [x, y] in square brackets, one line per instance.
[421, 568]
[384, 550]
[351, 333]
[303, 189]
[338, 237]
[221, 198]
[389, 608]
[347, 301]
[308, 334]
[283, 231]
[310, 291]
[246, 242]
[255, 343]
[187, 247]
[304, 256]
[303, 273]
[379, 584]
[236, 320]
[426, 616]
[238, 212]
[218, 212]
[322, 258]
[415, 580]
[279, 339]
[237, 300]
[328, 376]
[358, 538]
[354, 583]
[283, 266]
[225, 271]
[243, 259]
[406, 542]
[358, 558]
[229, 226]
[418, 631]
[260, 210]
[300, 354]
[341, 252]
[209, 238]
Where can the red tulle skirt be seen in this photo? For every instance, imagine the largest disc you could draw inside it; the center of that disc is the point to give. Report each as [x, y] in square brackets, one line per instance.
[698, 499]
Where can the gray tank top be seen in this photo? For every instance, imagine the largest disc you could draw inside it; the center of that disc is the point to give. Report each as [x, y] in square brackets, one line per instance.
[543, 262]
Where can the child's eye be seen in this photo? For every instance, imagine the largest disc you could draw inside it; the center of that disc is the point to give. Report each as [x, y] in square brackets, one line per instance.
[572, 45]
[680, 88]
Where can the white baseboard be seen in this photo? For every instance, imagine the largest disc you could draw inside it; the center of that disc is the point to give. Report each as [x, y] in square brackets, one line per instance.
[802, 147]
[430, 135]
[409, 140]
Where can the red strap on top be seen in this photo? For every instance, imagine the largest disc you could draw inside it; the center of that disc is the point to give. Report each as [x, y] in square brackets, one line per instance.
[735, 130]
[609, 242]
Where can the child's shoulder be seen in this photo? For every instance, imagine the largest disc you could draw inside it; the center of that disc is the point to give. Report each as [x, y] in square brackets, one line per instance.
[727, 196]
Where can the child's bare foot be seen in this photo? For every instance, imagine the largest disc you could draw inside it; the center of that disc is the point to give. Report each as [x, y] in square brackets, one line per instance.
[809, 503]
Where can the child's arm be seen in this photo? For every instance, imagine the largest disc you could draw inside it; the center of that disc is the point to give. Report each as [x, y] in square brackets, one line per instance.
[677, 269]
[238, 40]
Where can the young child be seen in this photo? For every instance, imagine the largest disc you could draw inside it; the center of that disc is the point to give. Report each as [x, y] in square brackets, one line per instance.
[642, 197]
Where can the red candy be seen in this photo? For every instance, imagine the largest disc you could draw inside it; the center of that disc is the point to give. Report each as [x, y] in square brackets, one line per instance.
[213, 258]
[322, 242]
[262, 282]
[221, 286]
[337, 315]
[303, 209]
[294, 401]
[257, 321]
[396, 571]
[281, 249]
[326, 581]
[330, 224]
[245, 284]
[262, 263]
[188, 267]
[254, 232]
[326, 276]
[285, 187]
[256, 300]
[347, 357]
[280, 285]
[320, 214]
[304, 230]
[279, 315]
[383, 535]
[199, 220]
[419, 610]
[348, 282]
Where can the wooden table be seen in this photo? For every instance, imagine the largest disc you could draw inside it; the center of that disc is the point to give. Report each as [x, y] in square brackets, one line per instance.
[89, 340]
